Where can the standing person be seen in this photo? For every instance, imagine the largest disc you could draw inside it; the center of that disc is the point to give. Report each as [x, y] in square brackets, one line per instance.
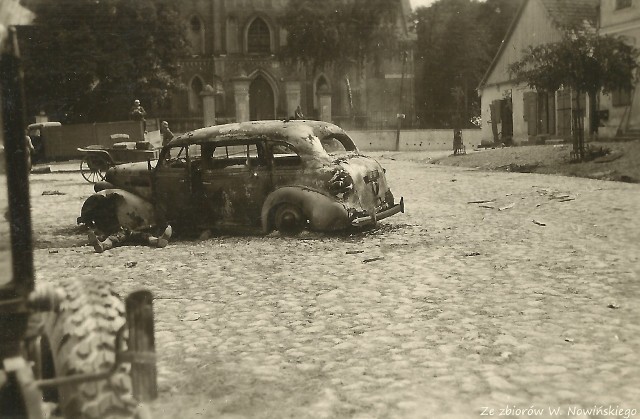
[166, 133]
[138, 113]
[457, 141]
[298, 113]
[30, 150]
[123, 236]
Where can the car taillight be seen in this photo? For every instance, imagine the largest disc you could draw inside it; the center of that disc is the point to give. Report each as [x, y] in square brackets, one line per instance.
[340, 182]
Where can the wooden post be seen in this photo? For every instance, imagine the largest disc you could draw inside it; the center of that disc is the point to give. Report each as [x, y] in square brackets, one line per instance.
[139, 305]
[400, 115]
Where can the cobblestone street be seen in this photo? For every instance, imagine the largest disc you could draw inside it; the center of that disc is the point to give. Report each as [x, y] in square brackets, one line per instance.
[493, 290]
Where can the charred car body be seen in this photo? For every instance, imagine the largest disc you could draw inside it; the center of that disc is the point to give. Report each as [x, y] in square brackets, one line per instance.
[283, 175]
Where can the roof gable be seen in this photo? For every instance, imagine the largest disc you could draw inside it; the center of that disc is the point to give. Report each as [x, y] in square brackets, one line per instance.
[538, 22]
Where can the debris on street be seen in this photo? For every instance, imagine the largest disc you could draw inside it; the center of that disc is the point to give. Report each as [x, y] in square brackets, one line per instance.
[511, 205]
[483, 201]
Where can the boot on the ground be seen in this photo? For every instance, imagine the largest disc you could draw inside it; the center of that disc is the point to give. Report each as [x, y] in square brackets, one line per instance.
[163, 240]
[99, 246]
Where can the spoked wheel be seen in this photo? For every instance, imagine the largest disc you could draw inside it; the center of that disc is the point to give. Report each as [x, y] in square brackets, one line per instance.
[94, 168]
[289, 220]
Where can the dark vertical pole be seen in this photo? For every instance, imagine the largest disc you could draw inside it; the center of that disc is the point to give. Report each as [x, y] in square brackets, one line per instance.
[13, 117]
[400, 114]
[139, 306]
[18, 396]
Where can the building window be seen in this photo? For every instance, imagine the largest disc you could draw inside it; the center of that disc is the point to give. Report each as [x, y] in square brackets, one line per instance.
[259, 37]
[195, 35]
[195, 24]
[622, 4]
[621, 97]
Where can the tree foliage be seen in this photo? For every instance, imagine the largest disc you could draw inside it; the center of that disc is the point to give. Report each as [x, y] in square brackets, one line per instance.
[582, 60]
[456, 41]
[338, 32]
[104, 54]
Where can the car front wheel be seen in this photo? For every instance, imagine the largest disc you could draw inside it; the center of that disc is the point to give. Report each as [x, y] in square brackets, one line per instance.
[289, 220]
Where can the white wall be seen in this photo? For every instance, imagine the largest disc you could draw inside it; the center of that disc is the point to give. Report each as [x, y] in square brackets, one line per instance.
[497, 92]
[413, 140]
[626, 23]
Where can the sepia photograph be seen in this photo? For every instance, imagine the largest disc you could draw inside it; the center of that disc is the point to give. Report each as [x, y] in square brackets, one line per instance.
[338, 209]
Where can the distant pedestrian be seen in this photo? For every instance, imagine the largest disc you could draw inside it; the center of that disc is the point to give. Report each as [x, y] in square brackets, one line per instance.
[102, 242]
[298, 113]
[30, 150]
[166, 133]
[458, 147]
[138, 113]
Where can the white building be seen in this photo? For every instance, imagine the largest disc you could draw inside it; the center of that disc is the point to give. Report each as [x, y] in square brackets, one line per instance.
[621, 108]
[511, 110]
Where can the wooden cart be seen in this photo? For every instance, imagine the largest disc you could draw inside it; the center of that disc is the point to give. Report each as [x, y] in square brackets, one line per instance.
[98, 159]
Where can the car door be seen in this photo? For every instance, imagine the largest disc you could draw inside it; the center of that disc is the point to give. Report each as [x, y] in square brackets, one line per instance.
[172, 189]
[236, 181]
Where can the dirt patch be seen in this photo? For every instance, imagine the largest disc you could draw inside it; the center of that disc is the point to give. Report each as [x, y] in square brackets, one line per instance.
[620, 164]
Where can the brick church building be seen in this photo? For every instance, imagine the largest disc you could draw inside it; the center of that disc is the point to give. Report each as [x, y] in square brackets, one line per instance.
[234, 74]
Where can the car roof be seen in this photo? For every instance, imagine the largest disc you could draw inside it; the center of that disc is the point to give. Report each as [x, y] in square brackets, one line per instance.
[44, 124]
[296, 132]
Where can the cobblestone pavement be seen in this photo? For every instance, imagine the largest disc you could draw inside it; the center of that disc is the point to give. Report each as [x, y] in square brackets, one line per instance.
[527, 299]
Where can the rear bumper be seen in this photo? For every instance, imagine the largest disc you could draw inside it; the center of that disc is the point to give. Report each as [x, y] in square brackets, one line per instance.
[374, 218]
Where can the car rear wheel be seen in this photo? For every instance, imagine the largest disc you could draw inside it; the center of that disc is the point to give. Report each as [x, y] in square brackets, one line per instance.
[288, 220]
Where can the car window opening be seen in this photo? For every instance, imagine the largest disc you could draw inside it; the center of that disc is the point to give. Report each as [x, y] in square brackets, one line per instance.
[234, 156]
[285, 155]
[337, 144]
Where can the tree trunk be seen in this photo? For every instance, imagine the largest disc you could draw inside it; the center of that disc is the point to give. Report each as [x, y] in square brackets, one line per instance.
[593, 114]
[578, 129]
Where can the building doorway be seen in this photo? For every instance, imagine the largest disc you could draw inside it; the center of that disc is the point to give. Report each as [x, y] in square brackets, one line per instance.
[502, 121]
[261, 100]
[195, 101]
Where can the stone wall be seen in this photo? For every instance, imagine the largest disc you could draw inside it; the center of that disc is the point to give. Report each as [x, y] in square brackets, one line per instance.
[413, 140]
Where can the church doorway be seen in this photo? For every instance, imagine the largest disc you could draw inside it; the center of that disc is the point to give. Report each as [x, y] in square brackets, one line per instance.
[195, 101]
[261, 100]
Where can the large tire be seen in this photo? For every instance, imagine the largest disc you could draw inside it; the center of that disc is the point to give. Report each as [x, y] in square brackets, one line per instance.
[80, 338]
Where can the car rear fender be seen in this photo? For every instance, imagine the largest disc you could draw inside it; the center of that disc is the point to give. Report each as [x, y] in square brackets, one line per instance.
[323, 212]
[113, 208]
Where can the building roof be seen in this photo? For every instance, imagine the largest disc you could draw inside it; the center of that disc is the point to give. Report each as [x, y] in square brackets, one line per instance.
[571, 13]
[564, 14]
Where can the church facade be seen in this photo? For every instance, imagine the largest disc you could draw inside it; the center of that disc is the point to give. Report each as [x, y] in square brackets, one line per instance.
[233, 73]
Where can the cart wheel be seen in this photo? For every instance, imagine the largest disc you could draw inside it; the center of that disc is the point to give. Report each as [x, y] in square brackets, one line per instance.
[94, 169]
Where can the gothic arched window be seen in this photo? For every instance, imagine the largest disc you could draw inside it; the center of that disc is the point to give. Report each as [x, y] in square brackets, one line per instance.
[259, 37]
[195, 35]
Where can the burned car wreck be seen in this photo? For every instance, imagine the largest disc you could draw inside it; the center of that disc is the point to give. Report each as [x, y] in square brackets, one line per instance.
[282, 175]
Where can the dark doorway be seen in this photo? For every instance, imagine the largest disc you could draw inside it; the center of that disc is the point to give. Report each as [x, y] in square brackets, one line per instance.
[502, 121]
[195, 101]
[261, 101]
